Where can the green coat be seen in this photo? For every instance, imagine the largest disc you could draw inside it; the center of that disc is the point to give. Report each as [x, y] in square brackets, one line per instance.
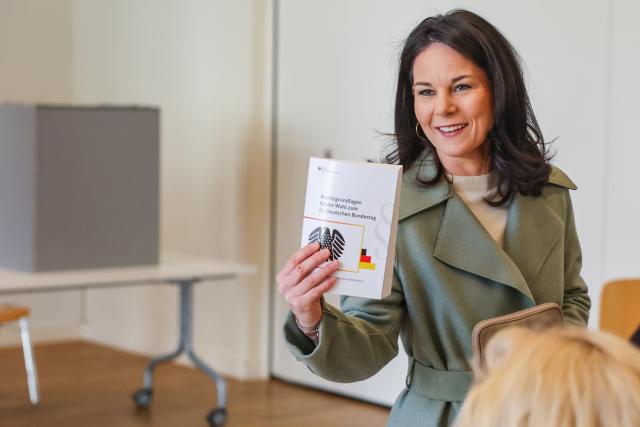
[449, 275]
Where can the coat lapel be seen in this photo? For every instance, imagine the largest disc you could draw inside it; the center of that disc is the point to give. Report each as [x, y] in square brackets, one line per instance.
[464, 243]
[533, 229]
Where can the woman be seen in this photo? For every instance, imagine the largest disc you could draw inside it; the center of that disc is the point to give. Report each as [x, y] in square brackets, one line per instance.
[565, 377]
[485, 228]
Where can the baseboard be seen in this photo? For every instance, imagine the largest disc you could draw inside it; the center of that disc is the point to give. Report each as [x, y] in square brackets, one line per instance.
[233, 366]
[229, 365]
[10, 334]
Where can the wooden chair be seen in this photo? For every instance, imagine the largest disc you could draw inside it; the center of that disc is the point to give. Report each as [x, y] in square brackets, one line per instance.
[11, 313]
[620, 307]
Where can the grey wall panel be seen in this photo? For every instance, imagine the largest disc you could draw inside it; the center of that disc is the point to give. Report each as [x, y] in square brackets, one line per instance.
[17, 154]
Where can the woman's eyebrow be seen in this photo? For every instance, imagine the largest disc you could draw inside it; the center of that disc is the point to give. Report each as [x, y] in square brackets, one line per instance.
[453, 80]
[421, 84]
[457, 79]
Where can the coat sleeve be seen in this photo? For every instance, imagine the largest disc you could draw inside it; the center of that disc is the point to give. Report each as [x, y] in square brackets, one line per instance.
[354, 343]
[576, 301]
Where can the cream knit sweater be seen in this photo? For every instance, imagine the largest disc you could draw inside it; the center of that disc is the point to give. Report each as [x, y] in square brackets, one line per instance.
[473, 190]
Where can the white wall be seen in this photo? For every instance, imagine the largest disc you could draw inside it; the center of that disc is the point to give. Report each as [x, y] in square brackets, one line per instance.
[35, 42]
[35, 66]
[206, 64]
[622, 198]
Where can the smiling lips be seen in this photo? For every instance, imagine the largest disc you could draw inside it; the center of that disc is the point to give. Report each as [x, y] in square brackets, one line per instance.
[451, 130]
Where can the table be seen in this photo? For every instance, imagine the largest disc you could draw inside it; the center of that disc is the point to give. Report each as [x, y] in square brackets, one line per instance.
[181, 272]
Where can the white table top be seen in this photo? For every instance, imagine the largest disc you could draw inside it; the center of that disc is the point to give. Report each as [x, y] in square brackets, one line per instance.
[167, 271]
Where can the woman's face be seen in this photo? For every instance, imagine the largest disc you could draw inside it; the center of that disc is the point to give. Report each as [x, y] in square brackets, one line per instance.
[454, 107]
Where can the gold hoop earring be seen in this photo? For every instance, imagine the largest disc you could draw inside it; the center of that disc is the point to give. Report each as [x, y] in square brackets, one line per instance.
[425, 139]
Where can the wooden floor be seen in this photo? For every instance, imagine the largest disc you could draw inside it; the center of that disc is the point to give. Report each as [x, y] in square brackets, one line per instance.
[84, 384]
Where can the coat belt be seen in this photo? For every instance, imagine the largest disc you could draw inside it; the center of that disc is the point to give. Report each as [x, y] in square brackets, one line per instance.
[450, 386]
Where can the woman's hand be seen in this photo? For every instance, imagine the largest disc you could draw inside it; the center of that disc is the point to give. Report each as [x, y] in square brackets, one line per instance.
[302, 283]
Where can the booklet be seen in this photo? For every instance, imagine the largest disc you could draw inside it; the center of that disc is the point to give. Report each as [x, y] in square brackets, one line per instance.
[351, 208]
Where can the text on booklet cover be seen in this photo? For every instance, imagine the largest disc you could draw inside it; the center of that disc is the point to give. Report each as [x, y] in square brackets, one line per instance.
[351, 208]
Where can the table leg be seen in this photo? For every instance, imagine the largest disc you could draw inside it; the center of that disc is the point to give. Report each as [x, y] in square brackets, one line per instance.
[142, 397]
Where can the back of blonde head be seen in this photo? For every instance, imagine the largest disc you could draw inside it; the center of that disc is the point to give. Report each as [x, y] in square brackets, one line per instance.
[562, 378]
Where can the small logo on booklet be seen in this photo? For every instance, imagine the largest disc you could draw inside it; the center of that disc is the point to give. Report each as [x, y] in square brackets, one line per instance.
[324, 169]
[329, 239]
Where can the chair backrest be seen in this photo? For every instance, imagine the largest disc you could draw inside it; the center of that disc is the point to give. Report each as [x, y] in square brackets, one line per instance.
[11, 313]
[620, 307]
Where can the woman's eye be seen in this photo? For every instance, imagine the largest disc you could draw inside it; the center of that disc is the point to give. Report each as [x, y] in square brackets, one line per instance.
[462, 86]
[426, 92]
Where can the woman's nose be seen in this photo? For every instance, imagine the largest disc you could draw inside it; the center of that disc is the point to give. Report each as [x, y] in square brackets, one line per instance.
[445, 105]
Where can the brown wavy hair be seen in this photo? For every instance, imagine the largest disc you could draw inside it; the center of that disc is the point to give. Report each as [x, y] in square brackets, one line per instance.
[518, 153]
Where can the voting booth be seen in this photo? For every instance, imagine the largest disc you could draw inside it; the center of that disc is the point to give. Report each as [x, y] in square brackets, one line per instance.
[79, 186]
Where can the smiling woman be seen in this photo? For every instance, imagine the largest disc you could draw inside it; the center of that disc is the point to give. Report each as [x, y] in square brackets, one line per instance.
[485, 229]
[452, 102]
[462, 53]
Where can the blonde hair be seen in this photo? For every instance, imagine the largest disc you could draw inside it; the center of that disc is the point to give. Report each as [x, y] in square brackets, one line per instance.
[565, 377]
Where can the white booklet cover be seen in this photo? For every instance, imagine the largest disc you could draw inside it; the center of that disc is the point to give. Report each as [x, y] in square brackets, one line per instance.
[352, 209]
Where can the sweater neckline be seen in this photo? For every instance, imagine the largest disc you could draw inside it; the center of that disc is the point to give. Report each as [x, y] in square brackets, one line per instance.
[480, 183]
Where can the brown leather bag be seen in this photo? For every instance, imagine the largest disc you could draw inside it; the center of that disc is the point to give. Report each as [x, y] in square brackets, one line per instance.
[539, 317]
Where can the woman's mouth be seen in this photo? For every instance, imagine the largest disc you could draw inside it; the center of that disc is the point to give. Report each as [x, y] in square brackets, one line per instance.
[451, 130]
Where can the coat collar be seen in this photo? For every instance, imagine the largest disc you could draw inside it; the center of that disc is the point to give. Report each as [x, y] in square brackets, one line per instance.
[416, 198]
[533, 228]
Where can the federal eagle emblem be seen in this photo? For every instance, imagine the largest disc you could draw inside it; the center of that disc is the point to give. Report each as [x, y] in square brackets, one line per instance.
[328, 239]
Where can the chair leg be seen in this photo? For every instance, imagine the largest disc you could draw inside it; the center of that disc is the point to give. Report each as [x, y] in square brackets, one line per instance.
[29, 361]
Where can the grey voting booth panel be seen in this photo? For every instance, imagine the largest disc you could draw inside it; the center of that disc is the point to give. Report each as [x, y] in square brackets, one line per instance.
[79, 187]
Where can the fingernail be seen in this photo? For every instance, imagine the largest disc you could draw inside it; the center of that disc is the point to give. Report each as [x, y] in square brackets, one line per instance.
[336, 263]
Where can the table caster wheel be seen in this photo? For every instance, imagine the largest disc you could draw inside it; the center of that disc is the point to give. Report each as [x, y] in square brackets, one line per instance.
[217, 417]
[142, 397]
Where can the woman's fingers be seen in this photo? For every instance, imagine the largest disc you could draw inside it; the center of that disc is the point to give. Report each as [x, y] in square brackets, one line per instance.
[315, 278]
[306, 267]
[295, 259]
[303, 269]
[300, 304]
[303, 280]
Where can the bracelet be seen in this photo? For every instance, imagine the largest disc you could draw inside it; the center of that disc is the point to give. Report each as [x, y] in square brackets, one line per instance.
[312, 332]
